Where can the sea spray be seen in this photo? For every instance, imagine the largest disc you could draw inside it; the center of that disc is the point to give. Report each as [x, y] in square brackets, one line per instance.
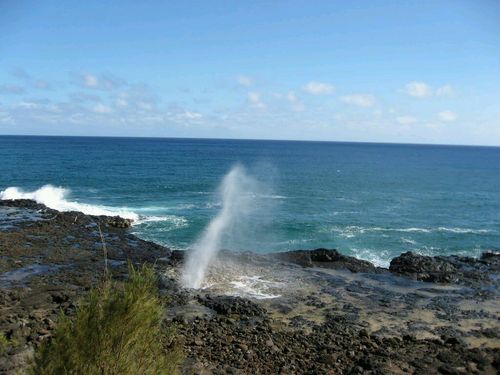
[238, 192]
[57, 199]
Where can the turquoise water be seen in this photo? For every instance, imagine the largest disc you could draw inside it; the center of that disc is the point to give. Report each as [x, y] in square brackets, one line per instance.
[373, 201]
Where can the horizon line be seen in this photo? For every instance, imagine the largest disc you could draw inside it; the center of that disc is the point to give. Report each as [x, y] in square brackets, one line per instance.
[250, 139]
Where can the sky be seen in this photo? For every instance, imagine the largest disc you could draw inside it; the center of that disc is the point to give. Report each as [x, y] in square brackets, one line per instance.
[369, 71]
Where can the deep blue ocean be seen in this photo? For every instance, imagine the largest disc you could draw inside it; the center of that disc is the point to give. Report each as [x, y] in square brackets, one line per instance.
[373, 201]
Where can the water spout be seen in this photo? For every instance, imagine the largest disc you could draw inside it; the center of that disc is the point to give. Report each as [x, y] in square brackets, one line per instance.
[237, 190]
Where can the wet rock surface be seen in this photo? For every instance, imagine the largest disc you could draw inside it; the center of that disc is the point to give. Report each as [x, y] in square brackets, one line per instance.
[449, 269]
[48, 260]
[327, 258]
[300, 312]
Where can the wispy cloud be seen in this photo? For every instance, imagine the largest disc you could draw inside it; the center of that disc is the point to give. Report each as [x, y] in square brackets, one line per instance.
[83, 97]
[244, 80]
[406, 120]
[42, 84]
[319, 88]
[12, 89]
[188, 115]
[447, 116]
[296, 103]
[101, 108]
[255, 100]
[360, 100]
[108, 105]
[20, 73]
[29, 80]
[446, 90]
[420, 89]
[101, 82]
[90, 80]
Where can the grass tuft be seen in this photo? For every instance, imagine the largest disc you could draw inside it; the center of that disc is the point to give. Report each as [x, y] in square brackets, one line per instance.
[4, 344]
[116, 330]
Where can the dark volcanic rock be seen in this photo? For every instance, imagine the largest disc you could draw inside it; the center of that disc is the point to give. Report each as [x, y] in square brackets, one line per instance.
[448, 269]
[423, 268]
[227, 305]
[177, 256]
[323, 322]
[50, 259]
[119, 222]
[327, 258]
[24, 203]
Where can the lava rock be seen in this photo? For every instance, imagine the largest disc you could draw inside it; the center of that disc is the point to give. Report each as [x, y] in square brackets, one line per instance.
[119, 222]
[327, 258]
[448, 269]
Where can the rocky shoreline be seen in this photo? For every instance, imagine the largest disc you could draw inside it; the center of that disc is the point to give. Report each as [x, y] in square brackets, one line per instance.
[298, 312]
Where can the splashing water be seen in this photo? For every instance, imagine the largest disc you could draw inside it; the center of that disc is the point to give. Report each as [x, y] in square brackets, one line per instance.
[237, 191]
[57, 198]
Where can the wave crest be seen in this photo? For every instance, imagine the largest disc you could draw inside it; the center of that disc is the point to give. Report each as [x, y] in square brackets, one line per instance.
[57, 199]
[354, 230]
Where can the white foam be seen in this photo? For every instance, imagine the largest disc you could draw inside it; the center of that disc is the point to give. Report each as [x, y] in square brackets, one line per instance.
[255, 287]
[213, 205]
[408, 240]
[267, 196]
[463, 230]
[176, 221]
[418, 230]
[379, 260]
[56, 198]
[354, 230]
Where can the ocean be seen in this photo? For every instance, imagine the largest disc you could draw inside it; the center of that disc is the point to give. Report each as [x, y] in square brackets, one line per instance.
[372, 201]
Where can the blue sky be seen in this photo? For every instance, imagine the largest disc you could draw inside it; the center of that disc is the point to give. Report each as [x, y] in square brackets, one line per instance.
[382, 71]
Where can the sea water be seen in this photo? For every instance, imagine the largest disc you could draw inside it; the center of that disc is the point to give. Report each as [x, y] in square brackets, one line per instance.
[373, 201]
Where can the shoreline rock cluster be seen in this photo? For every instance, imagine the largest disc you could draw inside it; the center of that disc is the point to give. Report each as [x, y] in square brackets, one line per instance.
[332, 314]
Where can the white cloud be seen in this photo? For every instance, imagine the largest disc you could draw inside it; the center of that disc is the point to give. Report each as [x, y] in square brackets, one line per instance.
[90, 81]
[424, 90]
[245, 81]
[145, 106]
[255, 99]
[101, 108]
[447, 116]
[121, 102]
[29, 105]
[101, 82]
[418, 89]
[360, 100]
[6, 118]
[192, 115]
[446, 90]
[433, 125]
[406, 120]
[296, 103]
[319, 88]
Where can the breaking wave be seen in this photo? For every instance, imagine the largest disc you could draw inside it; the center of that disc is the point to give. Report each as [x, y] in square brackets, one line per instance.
[176, 221]
[354, 230]
[57, 199]
[381, 259]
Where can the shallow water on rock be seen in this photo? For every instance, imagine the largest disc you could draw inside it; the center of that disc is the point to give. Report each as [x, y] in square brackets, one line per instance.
[10, 217]
[384, 304]
[20, 275]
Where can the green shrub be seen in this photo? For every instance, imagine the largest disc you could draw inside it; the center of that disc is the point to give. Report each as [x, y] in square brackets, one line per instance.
[116, 330]
[4, 344]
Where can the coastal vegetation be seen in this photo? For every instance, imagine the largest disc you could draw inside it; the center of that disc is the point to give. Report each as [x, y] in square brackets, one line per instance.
[117, 329]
